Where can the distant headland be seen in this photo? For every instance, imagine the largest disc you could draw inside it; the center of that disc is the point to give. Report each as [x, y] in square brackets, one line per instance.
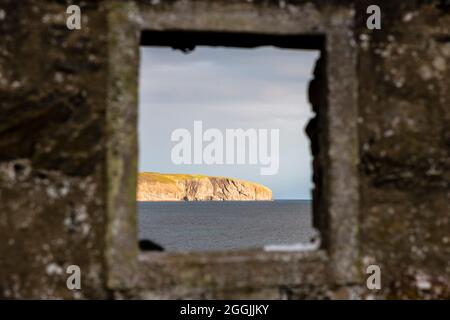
[154, 186]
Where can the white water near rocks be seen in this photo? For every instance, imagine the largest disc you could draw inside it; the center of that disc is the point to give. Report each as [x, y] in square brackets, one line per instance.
[227, 225]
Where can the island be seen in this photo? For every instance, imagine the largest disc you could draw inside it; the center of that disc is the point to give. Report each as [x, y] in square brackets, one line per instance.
[154, 186]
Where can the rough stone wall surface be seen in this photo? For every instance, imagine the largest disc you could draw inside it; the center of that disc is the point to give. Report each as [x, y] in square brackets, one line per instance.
[53, 96]
[52, 110]
[404, 106]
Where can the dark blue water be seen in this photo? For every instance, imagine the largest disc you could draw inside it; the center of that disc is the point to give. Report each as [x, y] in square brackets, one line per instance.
[224, 225]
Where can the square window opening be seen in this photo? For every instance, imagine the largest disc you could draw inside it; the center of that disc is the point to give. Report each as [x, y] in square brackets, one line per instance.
[194, 88]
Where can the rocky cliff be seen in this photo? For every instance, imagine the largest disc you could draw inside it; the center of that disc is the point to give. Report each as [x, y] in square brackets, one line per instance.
[154, 186]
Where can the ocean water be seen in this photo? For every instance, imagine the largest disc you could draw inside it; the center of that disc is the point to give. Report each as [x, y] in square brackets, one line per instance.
[225, 225]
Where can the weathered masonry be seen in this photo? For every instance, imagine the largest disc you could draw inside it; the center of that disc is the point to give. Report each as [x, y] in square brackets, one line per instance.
[68, 149]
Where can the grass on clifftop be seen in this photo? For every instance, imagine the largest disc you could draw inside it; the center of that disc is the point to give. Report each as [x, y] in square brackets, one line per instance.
[174, 177]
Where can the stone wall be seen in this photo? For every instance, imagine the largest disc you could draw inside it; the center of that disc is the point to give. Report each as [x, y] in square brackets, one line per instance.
[52, 146]
[404, 107]
[55, 176]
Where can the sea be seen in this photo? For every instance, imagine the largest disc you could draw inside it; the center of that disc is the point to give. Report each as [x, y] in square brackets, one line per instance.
[225, 225]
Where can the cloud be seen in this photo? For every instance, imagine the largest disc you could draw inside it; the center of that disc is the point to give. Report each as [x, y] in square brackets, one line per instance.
[228, 88]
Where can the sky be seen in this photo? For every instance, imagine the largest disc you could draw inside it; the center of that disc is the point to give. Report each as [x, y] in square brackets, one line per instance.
[228, 88]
